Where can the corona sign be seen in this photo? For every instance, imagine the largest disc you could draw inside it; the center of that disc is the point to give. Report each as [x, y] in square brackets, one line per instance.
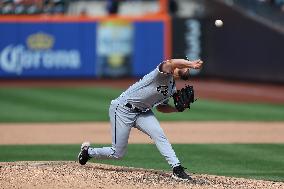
[39, 55]
[76, 47]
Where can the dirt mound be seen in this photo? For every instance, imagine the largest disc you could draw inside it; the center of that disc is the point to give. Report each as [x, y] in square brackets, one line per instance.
[72, 175]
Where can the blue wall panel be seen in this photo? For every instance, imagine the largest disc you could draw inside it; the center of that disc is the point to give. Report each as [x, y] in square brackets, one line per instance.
[149, 46]
[49, 50]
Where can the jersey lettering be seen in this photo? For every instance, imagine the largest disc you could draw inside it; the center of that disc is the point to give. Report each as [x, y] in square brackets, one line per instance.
[163, 89]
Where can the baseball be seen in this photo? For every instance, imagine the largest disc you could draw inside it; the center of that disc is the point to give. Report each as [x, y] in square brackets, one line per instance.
[218, 23]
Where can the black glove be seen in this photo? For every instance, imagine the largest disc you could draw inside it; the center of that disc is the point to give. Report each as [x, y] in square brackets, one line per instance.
[183, 98]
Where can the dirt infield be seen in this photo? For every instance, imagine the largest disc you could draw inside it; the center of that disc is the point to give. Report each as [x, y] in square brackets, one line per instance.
[71, 175]
[177, 132]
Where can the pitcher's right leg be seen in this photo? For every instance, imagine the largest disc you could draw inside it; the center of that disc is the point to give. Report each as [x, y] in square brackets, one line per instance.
[148, 124]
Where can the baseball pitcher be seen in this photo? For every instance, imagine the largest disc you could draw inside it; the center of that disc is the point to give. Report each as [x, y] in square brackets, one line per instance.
[133, 109]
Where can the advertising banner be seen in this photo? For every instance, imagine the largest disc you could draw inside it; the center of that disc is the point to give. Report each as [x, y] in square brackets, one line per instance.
[114, 48]
[47, 50]
[94, 48]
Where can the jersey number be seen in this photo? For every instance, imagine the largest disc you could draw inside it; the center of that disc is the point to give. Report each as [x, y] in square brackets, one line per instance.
[163, 89]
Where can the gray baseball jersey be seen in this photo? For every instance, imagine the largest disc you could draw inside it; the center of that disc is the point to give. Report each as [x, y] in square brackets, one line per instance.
[153, 89]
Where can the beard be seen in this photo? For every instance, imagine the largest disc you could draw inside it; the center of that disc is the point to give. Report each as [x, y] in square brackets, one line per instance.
[184, 75]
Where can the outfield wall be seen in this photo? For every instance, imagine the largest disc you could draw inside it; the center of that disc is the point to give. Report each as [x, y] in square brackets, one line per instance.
[59, 47]
[82, 47]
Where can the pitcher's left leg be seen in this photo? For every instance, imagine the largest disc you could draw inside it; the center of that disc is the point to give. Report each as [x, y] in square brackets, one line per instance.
[147, 123]
[121, 124]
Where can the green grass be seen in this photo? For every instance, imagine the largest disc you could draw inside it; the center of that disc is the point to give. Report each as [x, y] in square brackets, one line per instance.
[259, 161]
[92, 103]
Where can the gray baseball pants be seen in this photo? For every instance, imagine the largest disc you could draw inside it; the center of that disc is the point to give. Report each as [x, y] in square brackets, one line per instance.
[122, 120]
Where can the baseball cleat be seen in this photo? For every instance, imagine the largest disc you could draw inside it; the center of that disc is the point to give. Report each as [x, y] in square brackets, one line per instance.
[83, 156]
[180, 174]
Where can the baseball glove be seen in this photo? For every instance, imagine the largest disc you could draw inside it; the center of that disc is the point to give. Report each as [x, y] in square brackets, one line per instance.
[183, 98]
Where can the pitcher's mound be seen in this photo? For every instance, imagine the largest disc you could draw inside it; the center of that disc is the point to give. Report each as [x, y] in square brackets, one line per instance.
[72, 175]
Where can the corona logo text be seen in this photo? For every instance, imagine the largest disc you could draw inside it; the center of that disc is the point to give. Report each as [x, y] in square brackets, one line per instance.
[16, 59]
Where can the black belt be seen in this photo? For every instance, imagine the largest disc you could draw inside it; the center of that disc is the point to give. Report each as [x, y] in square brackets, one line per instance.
[128, 105]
